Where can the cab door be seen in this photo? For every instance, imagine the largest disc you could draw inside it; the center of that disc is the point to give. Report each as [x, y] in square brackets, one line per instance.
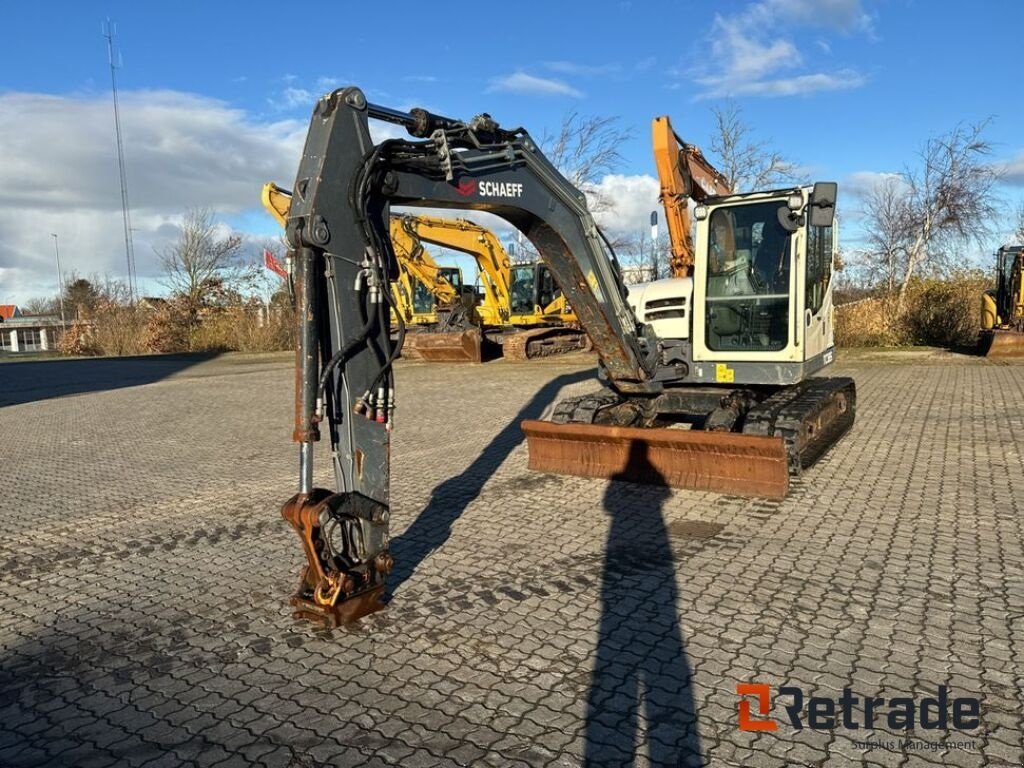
[818, 312]
[746, 285]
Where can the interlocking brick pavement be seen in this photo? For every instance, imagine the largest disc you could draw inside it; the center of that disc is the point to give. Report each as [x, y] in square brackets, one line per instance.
[535, 620]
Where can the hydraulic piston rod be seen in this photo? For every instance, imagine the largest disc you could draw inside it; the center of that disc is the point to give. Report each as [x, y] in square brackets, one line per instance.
[306, 431]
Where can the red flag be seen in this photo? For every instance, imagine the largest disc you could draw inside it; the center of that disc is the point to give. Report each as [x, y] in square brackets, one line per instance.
[273, 264]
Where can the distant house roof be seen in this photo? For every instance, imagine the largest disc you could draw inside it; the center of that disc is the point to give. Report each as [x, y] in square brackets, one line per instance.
[7, 311]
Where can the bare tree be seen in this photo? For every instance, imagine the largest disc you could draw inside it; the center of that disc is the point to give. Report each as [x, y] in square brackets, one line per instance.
[1018, 234]
[926, 216]
[49, 305]
[585, 149]
[640, 258]
[746, 163]
[201, 264]
[887, 219]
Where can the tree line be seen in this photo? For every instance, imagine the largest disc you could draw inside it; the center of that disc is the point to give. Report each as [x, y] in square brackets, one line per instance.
[915, 226]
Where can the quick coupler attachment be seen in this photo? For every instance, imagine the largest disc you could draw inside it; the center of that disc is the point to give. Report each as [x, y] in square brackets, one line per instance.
[345, 540]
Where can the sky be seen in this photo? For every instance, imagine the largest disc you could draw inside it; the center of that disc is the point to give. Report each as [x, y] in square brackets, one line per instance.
[215, 99]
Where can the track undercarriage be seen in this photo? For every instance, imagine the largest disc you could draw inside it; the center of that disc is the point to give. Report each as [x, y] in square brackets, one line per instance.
[743, 441]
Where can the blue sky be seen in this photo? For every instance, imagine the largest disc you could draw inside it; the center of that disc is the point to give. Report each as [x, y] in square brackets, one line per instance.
[216, 96]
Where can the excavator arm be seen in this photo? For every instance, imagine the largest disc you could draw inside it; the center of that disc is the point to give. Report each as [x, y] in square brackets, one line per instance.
[419, 264]
[476, 241]
[337, 228]
[683, 174]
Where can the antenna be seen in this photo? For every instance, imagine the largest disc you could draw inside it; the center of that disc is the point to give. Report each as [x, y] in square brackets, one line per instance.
[109, 30]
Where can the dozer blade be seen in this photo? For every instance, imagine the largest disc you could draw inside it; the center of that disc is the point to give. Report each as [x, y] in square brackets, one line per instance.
[1002, 344]
[458, 347]
[742, 465]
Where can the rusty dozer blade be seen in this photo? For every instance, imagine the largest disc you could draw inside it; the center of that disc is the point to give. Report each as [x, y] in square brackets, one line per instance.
[458, 347]
[1002, 344]
[725, 462]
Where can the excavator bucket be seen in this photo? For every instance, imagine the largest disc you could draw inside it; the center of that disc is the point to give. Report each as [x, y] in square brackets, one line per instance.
[725, 462]
[458, 347]
[1002, 344]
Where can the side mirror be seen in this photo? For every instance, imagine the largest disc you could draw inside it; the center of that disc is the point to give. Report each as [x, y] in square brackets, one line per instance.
[823, 203]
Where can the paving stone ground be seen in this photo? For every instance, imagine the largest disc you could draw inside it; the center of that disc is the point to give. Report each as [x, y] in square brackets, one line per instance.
[535, 620]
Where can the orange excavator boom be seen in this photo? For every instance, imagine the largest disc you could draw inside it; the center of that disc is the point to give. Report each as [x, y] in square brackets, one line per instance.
[683, 174]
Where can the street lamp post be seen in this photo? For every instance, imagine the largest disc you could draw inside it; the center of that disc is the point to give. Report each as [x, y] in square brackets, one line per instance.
[654, 245]
[60, 279]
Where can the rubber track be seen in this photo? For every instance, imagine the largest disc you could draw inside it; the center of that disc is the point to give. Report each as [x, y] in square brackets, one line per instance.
[582, 408]
[527, 345]
[787, 412]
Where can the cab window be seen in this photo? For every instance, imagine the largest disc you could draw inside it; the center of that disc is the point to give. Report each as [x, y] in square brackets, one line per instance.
[819, 266]
[748, 279]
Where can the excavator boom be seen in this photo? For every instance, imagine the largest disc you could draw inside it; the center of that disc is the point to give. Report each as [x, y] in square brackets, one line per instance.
[683, 174]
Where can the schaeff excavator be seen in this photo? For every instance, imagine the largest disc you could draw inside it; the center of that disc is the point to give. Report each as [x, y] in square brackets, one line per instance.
[742, 381]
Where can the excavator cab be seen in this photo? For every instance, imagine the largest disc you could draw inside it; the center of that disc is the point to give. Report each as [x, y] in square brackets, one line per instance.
[1002, 310]
[423, 299]
[762, 273]
[533, 289]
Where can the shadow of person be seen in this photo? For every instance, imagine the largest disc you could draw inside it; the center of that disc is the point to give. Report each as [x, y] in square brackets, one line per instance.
[449, 500]
[640, 696]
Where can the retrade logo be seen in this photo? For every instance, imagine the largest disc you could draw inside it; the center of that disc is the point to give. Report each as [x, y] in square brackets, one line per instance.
[764, 705]
[852, 712]
[466, 188]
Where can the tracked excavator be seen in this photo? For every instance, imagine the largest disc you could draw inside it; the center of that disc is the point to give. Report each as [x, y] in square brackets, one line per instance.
[1002, 311]
[522, 310]
[742, 381]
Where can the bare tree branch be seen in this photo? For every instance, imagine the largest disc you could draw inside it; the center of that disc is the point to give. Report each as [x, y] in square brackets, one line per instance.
[585, 149]
[748, 165]
[1018, 234]
[201, 264]
[924, 217]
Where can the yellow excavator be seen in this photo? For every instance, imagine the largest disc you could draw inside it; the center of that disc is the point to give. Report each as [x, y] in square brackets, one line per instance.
[1002, 309]
[522, 310]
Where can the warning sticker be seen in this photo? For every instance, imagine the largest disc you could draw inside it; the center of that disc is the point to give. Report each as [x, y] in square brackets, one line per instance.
[724, 374]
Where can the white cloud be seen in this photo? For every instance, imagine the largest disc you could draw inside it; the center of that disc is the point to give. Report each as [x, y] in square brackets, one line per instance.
[860, 183]
[801, 85]
[292, 97]
[752, 57]
[585, 70]
[839, 15]
[520, 82]
[629, 199]
[1013, 171]
[60, 175]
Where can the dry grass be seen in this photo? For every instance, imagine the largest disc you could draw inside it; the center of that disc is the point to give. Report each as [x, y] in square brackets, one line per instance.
[938, 313]
[117, 329]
